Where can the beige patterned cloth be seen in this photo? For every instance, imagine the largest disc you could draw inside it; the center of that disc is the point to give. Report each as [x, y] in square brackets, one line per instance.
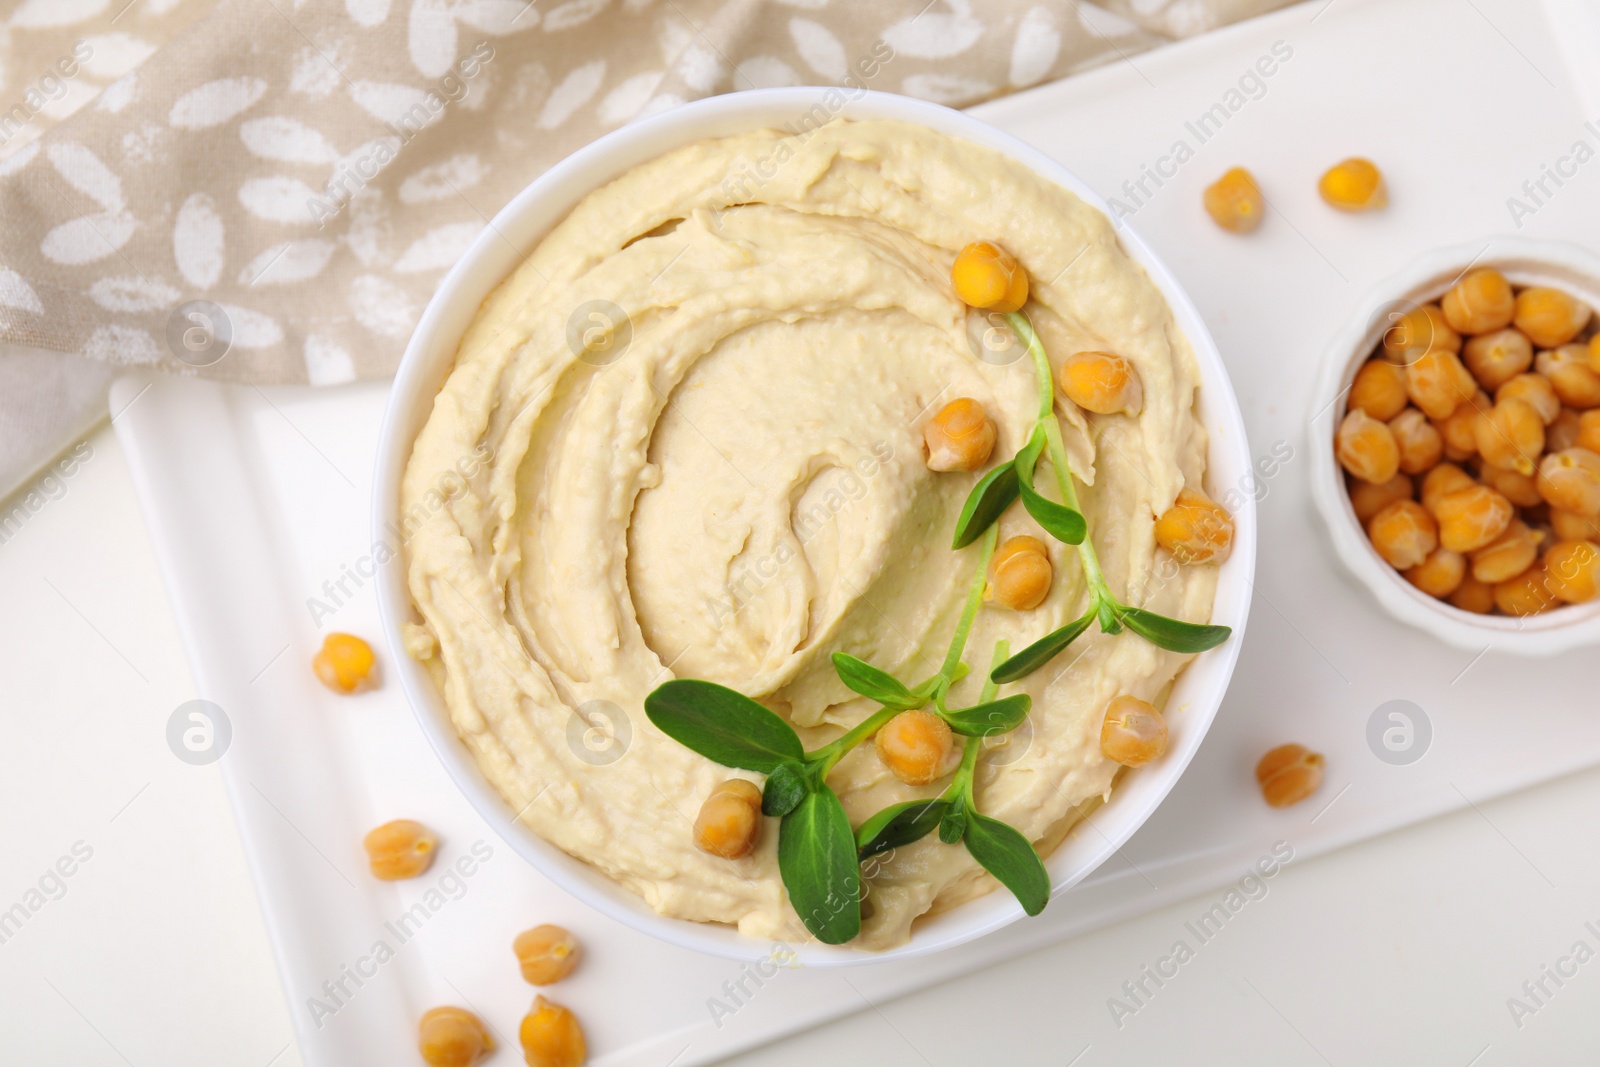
[312, 167]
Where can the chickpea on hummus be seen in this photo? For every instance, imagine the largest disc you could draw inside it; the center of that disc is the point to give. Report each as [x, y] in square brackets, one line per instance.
[705, 394]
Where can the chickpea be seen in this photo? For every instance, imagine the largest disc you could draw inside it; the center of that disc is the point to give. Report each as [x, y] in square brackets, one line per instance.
[1567, 430]
[1571, 527]
[960, 437]
[729, 823]
[1460, 430]
[1367, 499]
[1507, 555]
[345, 663]
[1440, 574]
[1474, 596]
[1418, 332]
[1234, 201]
[1019, 574]
[551, 1036]
[1574, 570]
[1588, 431]
[1472, 517]
[1570, 375]
[1404, 534]
[1480, 303]
[1549, 317]
[1496, 358]
[1570, 481]
[1288, 774]
[987, 276]
[1527, 594]
[1511, 435]
[1196, 529]
[1355, 184]
[1594, 353]
[400, 849]
[1102, 382]
[1367, 448]
[1536, 391]
[1521, 489]
[1133, 733]
[1421, 445]
[1444, 479]
[1379, 389]
[547, 953]
[452, 1037]
[1439, 384]
[916, 746]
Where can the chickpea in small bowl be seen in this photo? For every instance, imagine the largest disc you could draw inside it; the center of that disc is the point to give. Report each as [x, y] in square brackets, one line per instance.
[1457, 430]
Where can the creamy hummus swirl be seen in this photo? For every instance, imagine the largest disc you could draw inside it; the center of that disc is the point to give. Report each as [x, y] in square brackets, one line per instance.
[703, 397]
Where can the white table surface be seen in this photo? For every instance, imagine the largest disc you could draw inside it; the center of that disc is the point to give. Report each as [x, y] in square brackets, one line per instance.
[1401, 950]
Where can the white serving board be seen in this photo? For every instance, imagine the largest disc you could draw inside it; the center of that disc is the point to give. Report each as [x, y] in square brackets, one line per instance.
[255, 498]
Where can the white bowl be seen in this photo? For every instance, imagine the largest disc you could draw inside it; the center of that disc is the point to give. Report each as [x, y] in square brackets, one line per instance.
[1523, 262]
[430, 356]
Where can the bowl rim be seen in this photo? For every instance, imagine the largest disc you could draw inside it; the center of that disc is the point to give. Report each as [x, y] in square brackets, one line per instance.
[430, 355]
[1524, 261]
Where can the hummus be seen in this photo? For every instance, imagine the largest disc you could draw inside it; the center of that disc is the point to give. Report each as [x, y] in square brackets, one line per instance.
[703, 398]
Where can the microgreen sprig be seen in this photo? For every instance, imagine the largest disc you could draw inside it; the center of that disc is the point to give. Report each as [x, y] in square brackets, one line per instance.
[1064, 521]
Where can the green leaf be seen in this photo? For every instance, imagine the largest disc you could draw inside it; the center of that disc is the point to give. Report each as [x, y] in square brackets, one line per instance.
[993, 717]
[786, 787]
[1109, 623]
[954, 823]
[1061, 522]
[899, 825]
[869, 681]
[1041, 651]
[1170, 634]
[817, 858]
[722, 725]
[1011, 858]
[994, 493]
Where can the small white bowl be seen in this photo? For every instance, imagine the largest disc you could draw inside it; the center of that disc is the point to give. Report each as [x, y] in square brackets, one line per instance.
[518, 228]
[1523, 262]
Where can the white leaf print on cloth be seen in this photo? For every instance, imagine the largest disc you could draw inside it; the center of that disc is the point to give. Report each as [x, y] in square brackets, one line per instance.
[624, 102]
[115, 54]
[441, 180]
[82, 170]
[18, 159]
[278, 198]
[314, 73]
[119, 94]
[936, 35]
[575, 90]
[37, 14]
[327, 363]
[15, 292]
[215, 102]
[766, 72]
[819, 48]
[251, 329]
[122, 344]
[292, 261]
[381, 306]
[88, 238]
[945, 88]
[432, 37]
[197, 241]
[286, 140]
[367, 12]
[390, 101]
[132, 294]
[573, 13]
[497, 17]
[438, 248]
[1037, 46]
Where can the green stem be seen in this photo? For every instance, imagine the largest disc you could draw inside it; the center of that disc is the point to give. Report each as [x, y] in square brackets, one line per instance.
[958, 642]
[961, 784]
[1098, 589]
